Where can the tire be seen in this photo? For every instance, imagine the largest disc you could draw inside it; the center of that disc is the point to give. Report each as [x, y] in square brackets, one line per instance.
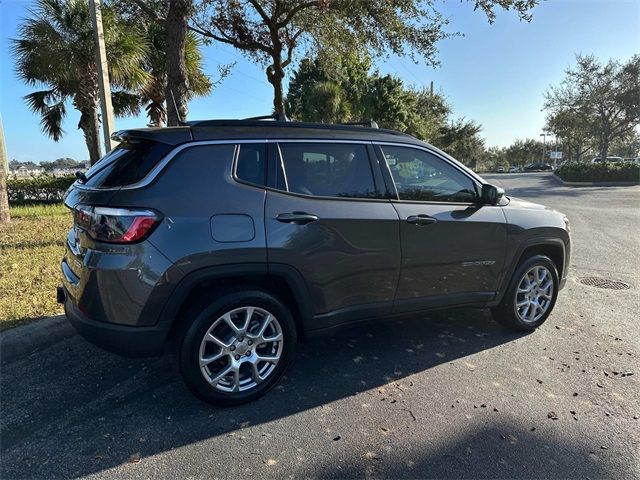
[236, 349]
[520, 317]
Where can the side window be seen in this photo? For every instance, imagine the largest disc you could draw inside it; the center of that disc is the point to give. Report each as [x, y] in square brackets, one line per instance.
[326, 169]
[251, 163]
[421, 176]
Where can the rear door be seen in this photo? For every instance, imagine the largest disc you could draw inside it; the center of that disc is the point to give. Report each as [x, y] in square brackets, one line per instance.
[452, 246]
[327, 217]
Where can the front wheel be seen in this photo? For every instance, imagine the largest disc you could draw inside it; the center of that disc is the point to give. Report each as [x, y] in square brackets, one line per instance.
[237, 347]
[531, 295]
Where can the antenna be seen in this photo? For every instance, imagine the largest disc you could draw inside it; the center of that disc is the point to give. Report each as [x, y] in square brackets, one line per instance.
[175, 107]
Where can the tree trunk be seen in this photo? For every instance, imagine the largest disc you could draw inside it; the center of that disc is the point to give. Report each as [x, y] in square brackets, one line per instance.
[156, 110]
[90, 126]
[604, 149]
[5, 216]
[275, 75]
[177, 81]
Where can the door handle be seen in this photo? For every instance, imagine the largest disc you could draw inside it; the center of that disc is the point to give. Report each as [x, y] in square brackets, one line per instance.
[421, 219]
[297, 218]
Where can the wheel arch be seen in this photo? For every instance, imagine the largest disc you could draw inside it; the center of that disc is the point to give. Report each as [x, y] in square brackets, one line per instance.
[554, 248]
[282, 281]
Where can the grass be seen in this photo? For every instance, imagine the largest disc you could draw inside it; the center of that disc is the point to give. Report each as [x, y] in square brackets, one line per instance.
[31, 248]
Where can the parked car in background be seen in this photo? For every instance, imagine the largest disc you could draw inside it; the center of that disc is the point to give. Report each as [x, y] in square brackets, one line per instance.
[609, 160]
[500, 170]
[230, 241]
[514, 169]
[540, 167]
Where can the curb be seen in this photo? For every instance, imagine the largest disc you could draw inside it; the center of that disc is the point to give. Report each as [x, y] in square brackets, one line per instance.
[595, 184]
[21, 341]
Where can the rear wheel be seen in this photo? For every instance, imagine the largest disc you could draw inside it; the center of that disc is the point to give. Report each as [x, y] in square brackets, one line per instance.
[531, 295]
[237, 347]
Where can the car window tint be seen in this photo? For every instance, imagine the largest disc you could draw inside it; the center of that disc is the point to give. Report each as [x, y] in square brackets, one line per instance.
[251, 163]
[128, 163]
[421, 176]
[326, 169]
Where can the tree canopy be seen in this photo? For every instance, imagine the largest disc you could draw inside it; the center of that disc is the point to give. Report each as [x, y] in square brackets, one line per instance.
[275, 32]
[56, 50]
[597, 103]
[345, 90]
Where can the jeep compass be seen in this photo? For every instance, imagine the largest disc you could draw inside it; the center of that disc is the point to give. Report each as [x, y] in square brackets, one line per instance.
[231, 240]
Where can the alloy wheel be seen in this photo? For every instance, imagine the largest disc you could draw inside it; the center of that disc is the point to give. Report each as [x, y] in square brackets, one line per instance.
[241, 349]
[534, 294]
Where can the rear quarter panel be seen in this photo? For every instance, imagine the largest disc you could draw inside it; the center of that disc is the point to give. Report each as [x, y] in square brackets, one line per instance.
[195, 193]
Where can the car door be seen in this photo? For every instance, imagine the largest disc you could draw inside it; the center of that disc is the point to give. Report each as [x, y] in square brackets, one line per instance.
[452, 246]
[326, 216]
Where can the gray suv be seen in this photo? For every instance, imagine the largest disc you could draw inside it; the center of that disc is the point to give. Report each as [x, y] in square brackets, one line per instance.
[232, 240]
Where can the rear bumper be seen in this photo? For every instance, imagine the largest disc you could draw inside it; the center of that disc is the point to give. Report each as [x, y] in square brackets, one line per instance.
[120, 339]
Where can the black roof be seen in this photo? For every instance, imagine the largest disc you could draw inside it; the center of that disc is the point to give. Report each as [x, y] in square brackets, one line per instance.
[258, 129]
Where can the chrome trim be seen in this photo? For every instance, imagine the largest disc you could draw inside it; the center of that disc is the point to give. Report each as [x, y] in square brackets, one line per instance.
[123, 212]
[155, 171]
[150, 177]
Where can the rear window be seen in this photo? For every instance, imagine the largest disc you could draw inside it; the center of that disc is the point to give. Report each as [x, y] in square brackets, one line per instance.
[126, 164]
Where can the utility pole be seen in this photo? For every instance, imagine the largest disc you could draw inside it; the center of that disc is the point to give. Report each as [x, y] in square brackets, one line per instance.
[5, 216]
[108, 124]
[544, 144]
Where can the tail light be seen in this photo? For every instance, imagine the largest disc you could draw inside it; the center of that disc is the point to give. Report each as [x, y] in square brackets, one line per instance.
[115, 225]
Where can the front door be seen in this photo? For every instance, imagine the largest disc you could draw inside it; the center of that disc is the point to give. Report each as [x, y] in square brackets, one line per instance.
[326, 217]
[452, 247]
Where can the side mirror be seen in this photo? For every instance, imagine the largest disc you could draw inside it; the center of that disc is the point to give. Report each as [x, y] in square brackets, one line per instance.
[491, 194]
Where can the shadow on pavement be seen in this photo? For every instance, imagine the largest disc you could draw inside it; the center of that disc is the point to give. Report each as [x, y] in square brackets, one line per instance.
[72, 409]
[487, 452]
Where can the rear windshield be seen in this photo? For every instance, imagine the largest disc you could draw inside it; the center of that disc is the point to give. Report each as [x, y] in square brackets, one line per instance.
[128, 163]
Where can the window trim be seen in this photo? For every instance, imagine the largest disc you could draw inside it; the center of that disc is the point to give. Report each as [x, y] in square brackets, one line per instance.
[384, 190]
[277, 157]
[388, 177]
[234, 167]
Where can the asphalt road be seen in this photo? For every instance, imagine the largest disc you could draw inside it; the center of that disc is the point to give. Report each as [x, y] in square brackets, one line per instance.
[444, 395]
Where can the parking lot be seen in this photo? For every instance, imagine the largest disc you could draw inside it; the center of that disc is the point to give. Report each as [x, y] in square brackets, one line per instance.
[449, 394]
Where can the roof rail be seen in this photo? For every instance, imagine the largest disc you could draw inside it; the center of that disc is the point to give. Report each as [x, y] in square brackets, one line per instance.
[370, 124]
[274, 116]
[258, 122]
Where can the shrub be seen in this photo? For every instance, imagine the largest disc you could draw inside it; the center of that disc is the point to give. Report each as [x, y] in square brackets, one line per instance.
[599, 172]
[40, 189]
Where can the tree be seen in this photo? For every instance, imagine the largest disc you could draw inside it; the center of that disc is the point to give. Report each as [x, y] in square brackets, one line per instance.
[272, 31]
[341, 89]
[574, 133]
[524, 152]
[602, 100]
[461, 139]
[56, 49]
[177, 79]
[628, 146]
[155, 91]
[327, 91]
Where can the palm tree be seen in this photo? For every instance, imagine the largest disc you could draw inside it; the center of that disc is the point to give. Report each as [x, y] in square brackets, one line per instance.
[56, 49]
[155, 63]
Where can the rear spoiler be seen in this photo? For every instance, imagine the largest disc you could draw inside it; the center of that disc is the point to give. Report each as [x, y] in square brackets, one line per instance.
[167, 135]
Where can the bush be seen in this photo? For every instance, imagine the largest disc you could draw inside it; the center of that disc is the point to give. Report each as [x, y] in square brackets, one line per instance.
[599, 172]
[40, 189]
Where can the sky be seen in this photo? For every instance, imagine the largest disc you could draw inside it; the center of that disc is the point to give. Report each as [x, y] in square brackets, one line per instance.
[496, 74]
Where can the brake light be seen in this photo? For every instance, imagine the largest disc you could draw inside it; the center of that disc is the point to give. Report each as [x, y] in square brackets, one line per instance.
[115, 225]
